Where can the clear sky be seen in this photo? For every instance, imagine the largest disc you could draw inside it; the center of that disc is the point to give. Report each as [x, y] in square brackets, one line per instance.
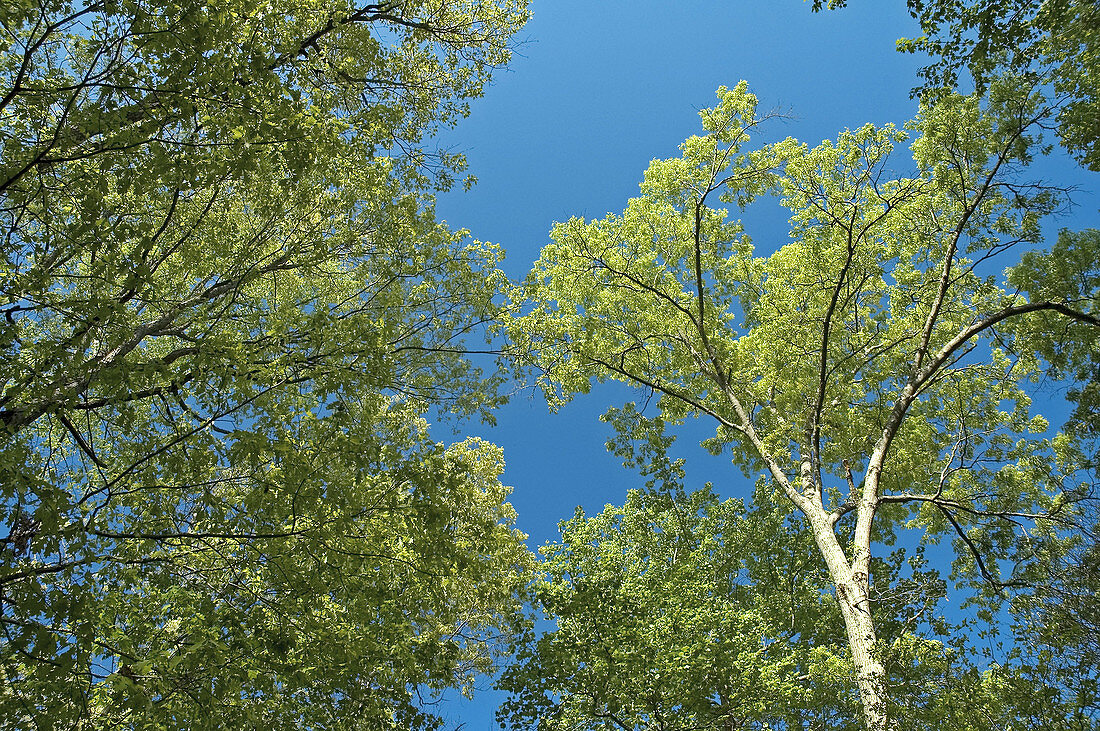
[596, 90]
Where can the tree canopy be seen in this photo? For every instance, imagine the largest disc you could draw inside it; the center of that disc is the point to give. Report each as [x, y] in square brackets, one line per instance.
[868, 367]
[678, 611]
[238, 345]
[1054, 42]
[228, 308]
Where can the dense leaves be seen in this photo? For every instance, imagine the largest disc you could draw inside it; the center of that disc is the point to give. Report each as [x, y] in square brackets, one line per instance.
[682, 611]
[1053, 42]
[229, 312]
[866, 366]
[228, 308]
[678, 611]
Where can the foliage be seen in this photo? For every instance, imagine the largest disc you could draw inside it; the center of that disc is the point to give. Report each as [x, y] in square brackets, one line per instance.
[679, 610]
[1070, 269]
[1058, 614]
[683, 611]
[1054, 41]
[228, 309]
[867, 366]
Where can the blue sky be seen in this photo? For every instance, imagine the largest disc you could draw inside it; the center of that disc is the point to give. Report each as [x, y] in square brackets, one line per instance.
[595, 91]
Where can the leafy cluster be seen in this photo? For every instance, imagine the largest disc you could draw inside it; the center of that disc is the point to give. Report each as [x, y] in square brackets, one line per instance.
[676, 611]
[228, 308]
[1052, 42]
[875, 368]
[229, 312]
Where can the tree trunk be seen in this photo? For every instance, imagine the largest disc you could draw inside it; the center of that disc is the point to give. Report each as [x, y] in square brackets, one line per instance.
[869, 672]
[852, 588]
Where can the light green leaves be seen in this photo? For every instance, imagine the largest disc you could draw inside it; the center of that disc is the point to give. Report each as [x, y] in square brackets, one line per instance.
[862, 366]
[673, 610]
[228, 306]
[1048, 43]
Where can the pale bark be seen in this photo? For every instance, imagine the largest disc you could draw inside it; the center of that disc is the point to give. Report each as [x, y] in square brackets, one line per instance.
[852, 594]
[851, 579]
